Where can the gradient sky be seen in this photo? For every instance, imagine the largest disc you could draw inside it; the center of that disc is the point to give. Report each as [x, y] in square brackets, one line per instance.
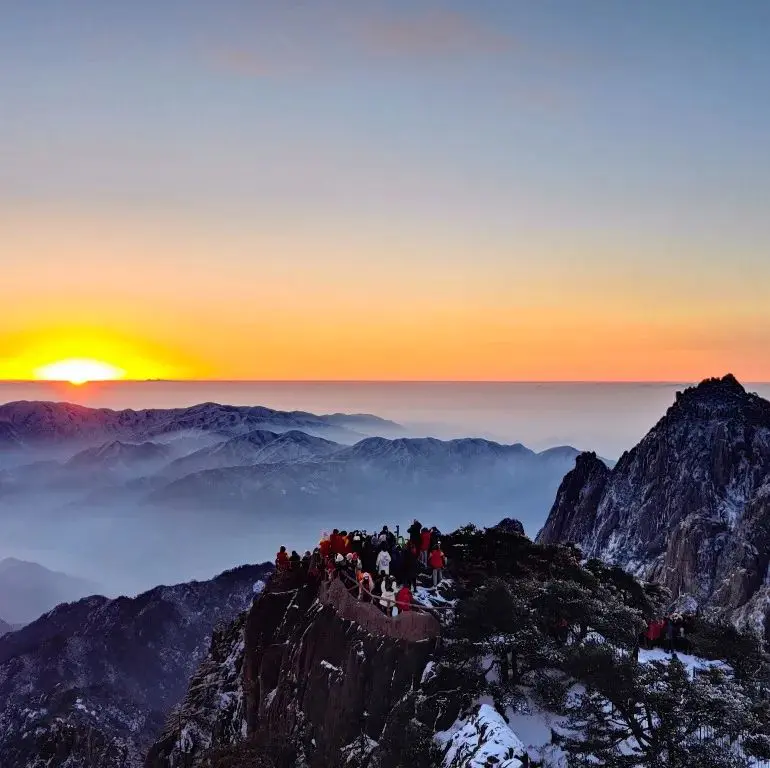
[386, 190]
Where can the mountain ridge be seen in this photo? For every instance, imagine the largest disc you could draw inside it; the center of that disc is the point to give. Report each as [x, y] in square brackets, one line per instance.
[28, 589]
[687, 506]
[91, 682]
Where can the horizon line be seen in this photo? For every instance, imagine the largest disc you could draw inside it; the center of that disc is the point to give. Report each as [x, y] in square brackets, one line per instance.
[358, 381]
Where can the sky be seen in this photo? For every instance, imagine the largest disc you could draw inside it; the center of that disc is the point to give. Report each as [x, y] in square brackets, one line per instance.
[398, 190]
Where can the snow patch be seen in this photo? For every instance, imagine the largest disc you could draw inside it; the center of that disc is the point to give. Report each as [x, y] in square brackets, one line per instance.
[692, 663]
[481, 740]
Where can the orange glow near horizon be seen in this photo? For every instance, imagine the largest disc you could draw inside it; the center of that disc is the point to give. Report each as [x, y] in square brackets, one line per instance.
[79, 371]
[145, 298]
[82, 354]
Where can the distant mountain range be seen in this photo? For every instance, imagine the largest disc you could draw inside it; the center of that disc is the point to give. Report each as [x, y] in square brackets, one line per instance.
[258, 447]
[91, 682]
[264, 461]
[28, 590]
[688, 507]
[46, 425]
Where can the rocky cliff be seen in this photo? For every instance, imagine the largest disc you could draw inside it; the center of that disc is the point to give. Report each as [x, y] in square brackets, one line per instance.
[90, 683]
[689, 506]
[305, 683]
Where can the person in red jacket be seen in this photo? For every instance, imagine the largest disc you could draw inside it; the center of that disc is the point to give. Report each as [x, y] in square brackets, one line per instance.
[282, 560]
[437, 561]
[404, 599]
[424, 546]
[325, 548]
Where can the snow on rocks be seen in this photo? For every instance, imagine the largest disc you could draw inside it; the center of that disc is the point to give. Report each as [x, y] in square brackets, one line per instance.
[481, 740]
[693, 664]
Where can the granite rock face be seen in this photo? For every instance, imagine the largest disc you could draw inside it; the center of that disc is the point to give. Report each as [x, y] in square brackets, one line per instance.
[293, 671]
[688, 507]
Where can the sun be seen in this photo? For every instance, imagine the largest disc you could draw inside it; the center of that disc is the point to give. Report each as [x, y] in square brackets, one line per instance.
[79, 371]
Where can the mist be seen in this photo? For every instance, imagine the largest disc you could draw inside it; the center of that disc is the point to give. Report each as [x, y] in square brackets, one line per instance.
[129, 501]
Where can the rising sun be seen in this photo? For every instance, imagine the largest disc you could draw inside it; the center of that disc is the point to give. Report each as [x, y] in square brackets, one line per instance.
[79, 371]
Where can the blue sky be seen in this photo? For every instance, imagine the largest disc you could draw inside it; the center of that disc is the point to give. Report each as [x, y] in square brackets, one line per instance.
[428, 162]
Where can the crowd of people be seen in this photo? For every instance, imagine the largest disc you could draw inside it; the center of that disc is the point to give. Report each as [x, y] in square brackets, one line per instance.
[380, 568]
[670, 633]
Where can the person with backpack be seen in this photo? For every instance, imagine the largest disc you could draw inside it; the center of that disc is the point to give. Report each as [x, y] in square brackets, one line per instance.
[295, 560]
[437, 561]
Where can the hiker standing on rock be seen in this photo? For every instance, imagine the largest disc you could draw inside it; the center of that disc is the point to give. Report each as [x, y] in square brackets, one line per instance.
[282, 560]
[424, 546]
[437, 561]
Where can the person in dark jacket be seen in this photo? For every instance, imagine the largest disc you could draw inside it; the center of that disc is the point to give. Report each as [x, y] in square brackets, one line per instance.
[397, 563]
[295, 560]
[414, 531]
[410, 566]
[669, 635]
[369, 556]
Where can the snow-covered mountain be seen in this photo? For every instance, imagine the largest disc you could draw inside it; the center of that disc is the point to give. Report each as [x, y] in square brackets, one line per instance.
[382, 477]
[91, 682]
[688, 507]
[105, 486]
[257, 447]
[28, 590]
[41, 424]
[121, 459]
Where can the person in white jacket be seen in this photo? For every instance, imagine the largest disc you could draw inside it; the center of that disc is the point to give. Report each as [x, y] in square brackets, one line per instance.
[383, 562]
[388, 596]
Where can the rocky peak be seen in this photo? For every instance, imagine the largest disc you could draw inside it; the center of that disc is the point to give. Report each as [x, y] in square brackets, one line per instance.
[724, 397]
[686, 506]
[573, 514]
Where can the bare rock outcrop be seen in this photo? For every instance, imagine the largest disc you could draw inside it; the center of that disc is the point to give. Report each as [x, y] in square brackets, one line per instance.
[689, 506]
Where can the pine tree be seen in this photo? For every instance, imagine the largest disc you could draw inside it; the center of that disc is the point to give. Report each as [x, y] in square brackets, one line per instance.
[634, 715]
